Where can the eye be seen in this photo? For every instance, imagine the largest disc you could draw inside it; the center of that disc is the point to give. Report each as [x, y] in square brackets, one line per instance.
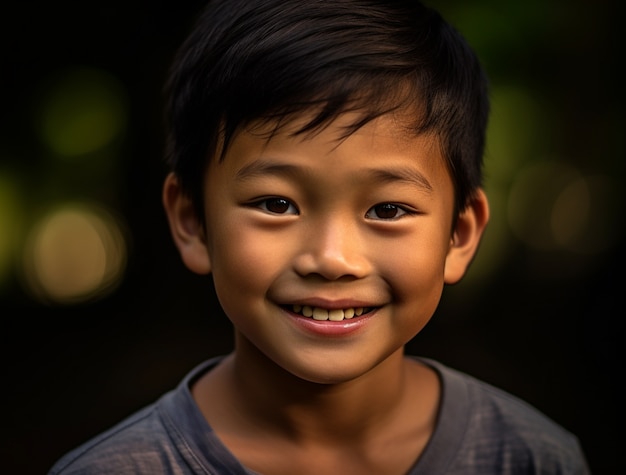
[277, 206]
[386, 211]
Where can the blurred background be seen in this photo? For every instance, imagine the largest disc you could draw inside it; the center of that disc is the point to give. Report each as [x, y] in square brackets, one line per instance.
[99, 317]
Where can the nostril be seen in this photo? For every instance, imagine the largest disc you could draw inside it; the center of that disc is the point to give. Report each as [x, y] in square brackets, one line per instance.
[332, 248]
[331, 267]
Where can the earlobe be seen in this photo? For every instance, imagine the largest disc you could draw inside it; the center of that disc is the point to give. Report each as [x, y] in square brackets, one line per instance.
[466, 237]
[186, 228]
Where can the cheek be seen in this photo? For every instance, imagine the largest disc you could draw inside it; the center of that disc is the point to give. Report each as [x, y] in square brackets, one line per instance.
[242, 261]
[417, 287]
[415, 273]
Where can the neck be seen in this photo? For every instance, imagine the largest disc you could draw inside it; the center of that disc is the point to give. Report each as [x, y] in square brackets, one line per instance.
[279, 401]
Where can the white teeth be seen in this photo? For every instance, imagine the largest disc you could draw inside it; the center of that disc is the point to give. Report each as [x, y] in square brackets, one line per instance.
[322, 314]
[336, 315]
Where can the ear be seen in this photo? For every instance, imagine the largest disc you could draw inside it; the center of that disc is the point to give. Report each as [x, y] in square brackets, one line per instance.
[466, 237]
[186, 228]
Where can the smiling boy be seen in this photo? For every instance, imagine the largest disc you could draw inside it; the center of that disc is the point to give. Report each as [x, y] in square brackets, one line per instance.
[326, 171]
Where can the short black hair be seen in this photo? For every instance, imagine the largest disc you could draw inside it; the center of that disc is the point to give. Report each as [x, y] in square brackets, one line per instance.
[249, 60]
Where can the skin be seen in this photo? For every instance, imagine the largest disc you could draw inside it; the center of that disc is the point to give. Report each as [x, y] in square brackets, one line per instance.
[362, 222]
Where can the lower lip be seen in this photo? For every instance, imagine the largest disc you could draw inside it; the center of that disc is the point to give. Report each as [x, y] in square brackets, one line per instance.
[330, 328]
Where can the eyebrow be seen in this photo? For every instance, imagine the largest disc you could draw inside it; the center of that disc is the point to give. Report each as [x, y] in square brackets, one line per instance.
[405, 175]
[262, 167]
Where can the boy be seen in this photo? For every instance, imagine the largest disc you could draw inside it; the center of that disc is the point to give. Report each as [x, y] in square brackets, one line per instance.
[326, 171]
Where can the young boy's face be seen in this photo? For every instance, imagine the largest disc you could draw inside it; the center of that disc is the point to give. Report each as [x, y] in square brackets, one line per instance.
[315, 224]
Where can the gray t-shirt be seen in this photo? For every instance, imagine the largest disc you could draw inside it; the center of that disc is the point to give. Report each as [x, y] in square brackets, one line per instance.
[480, 430]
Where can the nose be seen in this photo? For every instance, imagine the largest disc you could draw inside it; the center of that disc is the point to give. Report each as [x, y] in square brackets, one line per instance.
[333, 249]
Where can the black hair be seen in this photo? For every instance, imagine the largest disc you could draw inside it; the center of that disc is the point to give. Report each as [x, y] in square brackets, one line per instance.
[249, 60]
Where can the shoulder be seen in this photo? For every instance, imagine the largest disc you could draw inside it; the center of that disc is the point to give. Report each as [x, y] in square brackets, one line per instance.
[499, 432]
[138, 441]
[163, 437]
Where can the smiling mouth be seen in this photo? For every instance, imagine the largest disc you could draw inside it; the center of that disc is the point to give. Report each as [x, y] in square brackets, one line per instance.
[334, 315]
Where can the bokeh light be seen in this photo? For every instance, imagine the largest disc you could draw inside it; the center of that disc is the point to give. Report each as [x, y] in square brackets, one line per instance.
[10, 225]
[75, 253]
[584, 215]
[516, 132]
[514, 136]
[83, 110]
[532, 198]
[555, 207]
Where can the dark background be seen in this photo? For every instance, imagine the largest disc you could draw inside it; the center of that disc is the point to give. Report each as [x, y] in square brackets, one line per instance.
[544, 325]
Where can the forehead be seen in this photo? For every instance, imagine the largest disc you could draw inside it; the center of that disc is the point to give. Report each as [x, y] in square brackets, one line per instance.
[384, 147]
[401, 128]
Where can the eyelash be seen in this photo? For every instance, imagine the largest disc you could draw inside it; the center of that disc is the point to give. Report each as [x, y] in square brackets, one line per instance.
[403, 210]
[263, 205]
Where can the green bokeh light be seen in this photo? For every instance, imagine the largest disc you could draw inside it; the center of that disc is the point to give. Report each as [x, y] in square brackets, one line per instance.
[515, 135]
[83, 111]
[513, 139]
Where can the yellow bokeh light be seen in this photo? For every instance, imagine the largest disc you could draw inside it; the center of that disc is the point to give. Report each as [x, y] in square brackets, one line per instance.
[10, 225]
[532, 198]
[570, 213]
[83, 111]
[75, 253]
[553, 206]
[585, 215]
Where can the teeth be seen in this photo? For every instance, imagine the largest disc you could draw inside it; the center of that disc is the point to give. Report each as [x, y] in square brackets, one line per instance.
[322, 314]
[336, 315]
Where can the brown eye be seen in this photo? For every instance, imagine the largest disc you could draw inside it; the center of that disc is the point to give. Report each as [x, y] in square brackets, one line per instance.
[386, 211]
[277, 206]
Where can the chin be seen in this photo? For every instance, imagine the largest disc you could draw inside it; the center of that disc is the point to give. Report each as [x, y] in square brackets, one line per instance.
[329, 371]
